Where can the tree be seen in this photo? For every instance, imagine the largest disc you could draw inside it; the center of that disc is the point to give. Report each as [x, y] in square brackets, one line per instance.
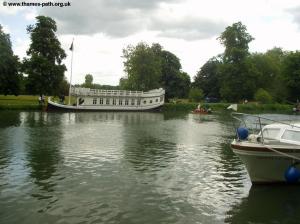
[173, 80]
[196, 95]
[262, 96]
[9, 76]
[235, 39]
[291, 74]
[208, 79]
[237, 81]
[88, 81]
[44, 65]
[142, 67]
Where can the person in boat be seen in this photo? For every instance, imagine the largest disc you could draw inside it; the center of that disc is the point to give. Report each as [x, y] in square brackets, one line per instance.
[40, 99]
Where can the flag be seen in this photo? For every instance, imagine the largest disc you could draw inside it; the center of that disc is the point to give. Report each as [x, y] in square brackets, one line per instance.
[71, 48]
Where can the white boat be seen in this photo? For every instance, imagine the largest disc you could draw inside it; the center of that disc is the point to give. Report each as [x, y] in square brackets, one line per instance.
[111, 100]
[272, 155]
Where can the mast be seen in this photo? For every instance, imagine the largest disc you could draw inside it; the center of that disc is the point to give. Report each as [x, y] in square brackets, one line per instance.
[71, 49]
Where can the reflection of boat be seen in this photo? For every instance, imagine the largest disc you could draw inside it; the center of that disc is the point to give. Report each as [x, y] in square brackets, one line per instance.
[279, 204]
[112, 100]
[201, 111]
[273, 154]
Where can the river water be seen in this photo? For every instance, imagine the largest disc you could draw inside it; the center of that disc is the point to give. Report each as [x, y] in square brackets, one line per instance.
[130, 168]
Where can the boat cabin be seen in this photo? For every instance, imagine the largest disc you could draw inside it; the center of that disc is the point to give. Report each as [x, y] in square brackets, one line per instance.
[283, 133]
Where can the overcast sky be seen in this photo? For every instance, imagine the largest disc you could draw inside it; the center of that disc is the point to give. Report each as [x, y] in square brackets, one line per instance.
[187, 28]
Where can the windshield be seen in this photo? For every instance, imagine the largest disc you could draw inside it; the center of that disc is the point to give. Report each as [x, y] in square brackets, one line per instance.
[271, 133]
[291, 135]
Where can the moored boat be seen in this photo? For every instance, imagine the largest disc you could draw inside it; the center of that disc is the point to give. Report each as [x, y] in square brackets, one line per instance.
[272, 155]
[87, 99]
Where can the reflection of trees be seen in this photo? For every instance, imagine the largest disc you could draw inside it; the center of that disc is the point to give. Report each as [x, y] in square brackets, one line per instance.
[143, 146]
[266, 204]
[9, 118]
[43, 148]
[148, 153]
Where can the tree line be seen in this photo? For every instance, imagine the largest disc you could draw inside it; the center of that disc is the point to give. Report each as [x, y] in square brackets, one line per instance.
[234, 75]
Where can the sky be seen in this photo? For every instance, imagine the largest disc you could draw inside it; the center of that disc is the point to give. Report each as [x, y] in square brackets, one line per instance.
[188, 28]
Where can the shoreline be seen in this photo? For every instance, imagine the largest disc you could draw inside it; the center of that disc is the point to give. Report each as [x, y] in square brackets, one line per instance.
[25, 102]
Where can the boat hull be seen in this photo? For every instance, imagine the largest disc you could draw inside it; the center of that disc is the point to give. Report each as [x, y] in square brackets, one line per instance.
[264, 165]
[52, 106]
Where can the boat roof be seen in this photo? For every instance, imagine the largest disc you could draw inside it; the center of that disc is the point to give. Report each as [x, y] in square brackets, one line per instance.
[284, 126]
[284, 133]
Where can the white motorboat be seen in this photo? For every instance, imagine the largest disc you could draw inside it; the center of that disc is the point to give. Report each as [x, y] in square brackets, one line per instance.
[111, 100]
[272, 155]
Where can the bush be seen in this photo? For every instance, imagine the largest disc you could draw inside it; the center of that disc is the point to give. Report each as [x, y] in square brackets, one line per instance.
[263, 96]
[196, 95]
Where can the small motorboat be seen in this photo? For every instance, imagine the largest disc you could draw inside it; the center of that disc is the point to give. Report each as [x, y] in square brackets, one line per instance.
[273, 154]
[201, 111]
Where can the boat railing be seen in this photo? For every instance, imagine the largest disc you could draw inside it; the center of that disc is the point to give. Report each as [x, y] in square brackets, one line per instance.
[101, 92]
[258, 122]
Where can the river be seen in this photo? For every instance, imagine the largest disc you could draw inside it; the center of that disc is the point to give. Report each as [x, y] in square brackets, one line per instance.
[107, 167]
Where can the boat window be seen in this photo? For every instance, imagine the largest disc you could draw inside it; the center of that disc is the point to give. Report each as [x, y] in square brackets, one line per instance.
[291, 135]
[271, 132]
[120, 102]
[150, 101]
[132, 101]
[107, 100]
[126, 101]
[95, 101]
[101, 100]
[145, 102]
[156, 100]
[114, 101]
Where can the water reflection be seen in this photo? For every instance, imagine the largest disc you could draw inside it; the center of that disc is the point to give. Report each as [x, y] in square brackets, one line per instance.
[9, 119]
[43, 145]
[267, 204]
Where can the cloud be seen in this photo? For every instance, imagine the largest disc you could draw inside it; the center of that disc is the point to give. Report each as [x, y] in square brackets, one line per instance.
[114, 18]
[188, 28]
[119, 18]
[296, 15]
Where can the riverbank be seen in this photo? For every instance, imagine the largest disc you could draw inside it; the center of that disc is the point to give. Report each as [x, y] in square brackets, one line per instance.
[21, 102]
[244, 108]
[26, 102]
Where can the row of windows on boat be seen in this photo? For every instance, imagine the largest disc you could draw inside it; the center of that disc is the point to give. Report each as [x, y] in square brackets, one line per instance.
[124, 102]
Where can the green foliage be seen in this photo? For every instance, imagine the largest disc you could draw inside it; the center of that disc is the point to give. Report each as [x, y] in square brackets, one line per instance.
[237, 80]
[44, 66]
[208, 78]
[142, 66]
[88, 81]
[291, 74]
[262, 96]
[196, 95]
[9, 76]
[235, 40]
[152, 67]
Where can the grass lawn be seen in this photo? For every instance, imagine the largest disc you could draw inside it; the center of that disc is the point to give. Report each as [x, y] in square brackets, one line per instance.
[19, 102]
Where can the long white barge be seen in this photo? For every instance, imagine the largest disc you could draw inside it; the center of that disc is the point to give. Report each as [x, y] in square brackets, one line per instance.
[111, 100]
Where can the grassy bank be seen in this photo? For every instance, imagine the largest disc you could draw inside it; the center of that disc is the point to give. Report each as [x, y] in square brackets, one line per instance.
[24, 102]
[244, 108]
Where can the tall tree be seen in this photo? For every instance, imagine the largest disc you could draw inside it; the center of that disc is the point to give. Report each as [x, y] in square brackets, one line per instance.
[237, 82]
[142, 67]
[291, 74]
[9, 76]
[88, 81]
[208, 79]
[44, 65]
[175, 82]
